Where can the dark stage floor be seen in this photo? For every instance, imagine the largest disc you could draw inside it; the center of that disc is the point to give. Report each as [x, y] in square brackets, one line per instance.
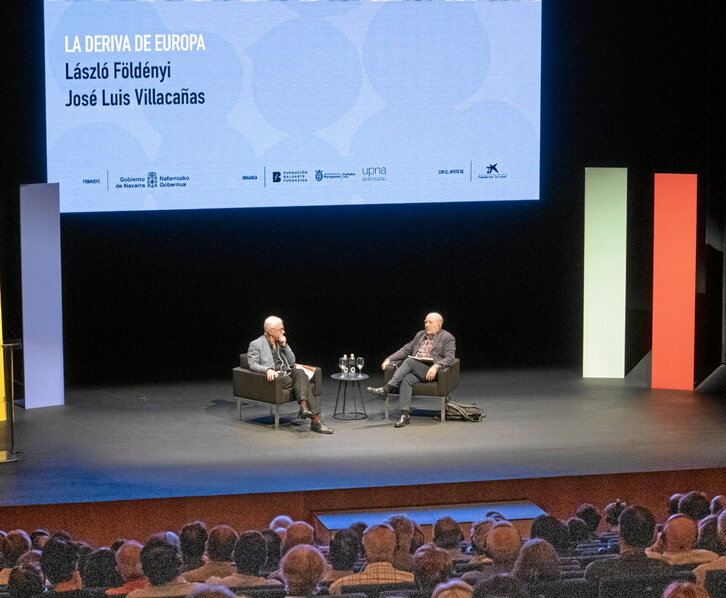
[185, 440]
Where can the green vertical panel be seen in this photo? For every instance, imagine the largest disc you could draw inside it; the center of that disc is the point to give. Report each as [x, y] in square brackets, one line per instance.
[603, 352]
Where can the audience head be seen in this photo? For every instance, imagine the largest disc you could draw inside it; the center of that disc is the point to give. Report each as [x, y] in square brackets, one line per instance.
[99, 570]
[250, 553]
[59, 559]
[344, 550]
[553, 530]
[503, 542]
[273, 548]
[302, 568]
[577, 530]
[12, 546]
[674, 502]
[679, 533]
[707, 538]
[694, 505]
[25, 581]
[590, 515]
[298, 532]
[685, 589]
[281, 521]
[220, 543]
[403, 527]
[479, 531]
[637, 527]
[193, 540]
[118, 543]
[418, 538]
[612, 513]
[502, 585]
[432, 566]
[447, 533]
[452, 589]
[161, 560]
[718, 502]
[379, 543]
[537, 561]
[207, 591]
[32, 557]
[38, 538]
[128, 560]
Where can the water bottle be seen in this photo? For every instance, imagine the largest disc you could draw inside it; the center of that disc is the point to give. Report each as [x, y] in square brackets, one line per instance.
[344, 367]
[351, 365]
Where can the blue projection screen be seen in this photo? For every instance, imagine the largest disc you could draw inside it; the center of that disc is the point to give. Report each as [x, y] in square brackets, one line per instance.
[189, 104]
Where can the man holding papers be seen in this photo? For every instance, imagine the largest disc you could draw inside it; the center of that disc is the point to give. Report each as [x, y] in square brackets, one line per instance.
[271, 355]
[430, 350]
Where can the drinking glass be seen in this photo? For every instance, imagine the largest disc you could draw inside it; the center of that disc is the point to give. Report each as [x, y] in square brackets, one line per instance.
[343, 364]
[360, 362]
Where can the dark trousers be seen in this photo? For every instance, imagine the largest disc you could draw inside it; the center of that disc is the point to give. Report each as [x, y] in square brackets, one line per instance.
[408, 373]
[297, 381]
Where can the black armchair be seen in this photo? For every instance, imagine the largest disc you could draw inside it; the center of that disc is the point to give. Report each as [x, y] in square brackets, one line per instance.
[441, 387]
[254, 386]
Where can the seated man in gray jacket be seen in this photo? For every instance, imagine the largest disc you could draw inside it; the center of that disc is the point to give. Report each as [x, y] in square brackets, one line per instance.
[430, 350]
[271, 355]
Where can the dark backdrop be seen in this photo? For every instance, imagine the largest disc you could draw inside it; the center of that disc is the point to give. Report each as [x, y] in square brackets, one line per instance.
[176, 295]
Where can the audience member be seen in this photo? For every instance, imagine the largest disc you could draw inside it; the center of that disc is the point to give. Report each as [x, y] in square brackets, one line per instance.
[637, 529]
[99, 570]
[501, 585]
[344, 551]
[452, 589]
[59, 562]
[128, 564]
[503, 545]
[479, 531]
[220, 544]
[273, 543]
[554, 531]
[431, 566]
[418, 539]
[25, 581]
[12, 546]
[38, 538]
[537, 561]
[32, 557]
[707, 537]
[718, 502]
[674, 502]
[590, 515]
[250, 554]
[612, 513]
[193, 540]
[281, 521]
[379, 544]
[577, 531]
[302, 569]
[298, 532]
[161, 563]
[720, 562]
[685, 589]
[403, 527]
[694, 505]
[678, 539]
[448, 536]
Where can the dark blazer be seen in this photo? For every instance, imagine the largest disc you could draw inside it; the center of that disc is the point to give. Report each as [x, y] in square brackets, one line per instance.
[443, 351]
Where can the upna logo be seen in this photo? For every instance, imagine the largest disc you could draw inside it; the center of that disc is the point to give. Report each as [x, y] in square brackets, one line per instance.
[373, 170]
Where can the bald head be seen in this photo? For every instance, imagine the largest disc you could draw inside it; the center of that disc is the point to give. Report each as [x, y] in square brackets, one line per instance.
[298, 532]
[272, 322]
[503, 542]
[679, 534]
[433, 322]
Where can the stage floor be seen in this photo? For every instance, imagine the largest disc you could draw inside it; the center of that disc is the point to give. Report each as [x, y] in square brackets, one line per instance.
[184, 439]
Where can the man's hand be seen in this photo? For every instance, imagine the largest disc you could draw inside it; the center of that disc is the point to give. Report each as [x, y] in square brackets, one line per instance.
[385, 363]
[431, 374]
[271, 374]
[282, 339]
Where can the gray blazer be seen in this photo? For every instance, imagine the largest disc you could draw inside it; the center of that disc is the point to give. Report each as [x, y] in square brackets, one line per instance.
[259, 355]
[443, 351]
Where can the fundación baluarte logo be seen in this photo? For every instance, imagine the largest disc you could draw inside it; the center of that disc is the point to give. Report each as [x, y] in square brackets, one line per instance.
[276, 177]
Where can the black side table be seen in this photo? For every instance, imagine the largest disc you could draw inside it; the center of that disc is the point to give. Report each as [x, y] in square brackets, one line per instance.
[343, 381]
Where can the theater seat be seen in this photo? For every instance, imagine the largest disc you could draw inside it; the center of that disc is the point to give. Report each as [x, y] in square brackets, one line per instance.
[373, 590]
[254, 386]
[716, 583]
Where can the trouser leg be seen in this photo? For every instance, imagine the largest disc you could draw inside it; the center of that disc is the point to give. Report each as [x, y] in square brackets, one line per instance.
[409, 373]
[302, 391]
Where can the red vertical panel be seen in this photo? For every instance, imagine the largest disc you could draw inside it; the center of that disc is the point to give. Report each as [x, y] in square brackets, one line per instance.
[674, 281]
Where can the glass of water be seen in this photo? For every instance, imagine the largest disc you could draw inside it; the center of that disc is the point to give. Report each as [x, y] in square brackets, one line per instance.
[360, 362]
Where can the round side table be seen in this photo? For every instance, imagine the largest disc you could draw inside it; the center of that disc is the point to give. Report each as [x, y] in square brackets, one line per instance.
[340, 411]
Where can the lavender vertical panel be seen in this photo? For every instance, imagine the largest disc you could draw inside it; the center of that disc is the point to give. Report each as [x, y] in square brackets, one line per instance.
[42, 301]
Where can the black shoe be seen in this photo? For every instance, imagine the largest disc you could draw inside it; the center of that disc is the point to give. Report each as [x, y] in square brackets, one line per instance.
[381, 392]
[320, 428]
[404, 420]
[305, 412]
